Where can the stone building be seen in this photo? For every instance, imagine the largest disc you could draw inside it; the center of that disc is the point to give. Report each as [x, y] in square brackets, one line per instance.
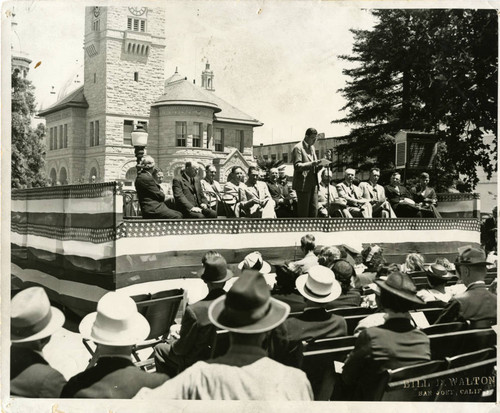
[89, 129]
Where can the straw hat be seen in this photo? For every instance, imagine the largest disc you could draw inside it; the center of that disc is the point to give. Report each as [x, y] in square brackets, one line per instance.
[116, 322]
[32, 317]
[254, 261]
[319, 285]
[439, 272]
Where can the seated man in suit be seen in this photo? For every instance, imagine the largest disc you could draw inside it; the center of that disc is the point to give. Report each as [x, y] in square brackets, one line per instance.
[188, 194]
[33, 321]
[329, 201]
[245, 372]
[192, 343]
[425, 197]
[476, 305]
[151, 196]
[394, 344]
[115, 328]
[376, 194]
[211, 188]
[356, 204]
[400, 198]
[257, 191]
[318, 287]
[280, 195]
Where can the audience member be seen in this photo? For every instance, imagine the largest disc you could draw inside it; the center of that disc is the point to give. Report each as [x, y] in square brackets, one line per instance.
[307, 246]
[256, 190]
[235, 188]
[396, 343]
[476, 305]
[400, 198]
[115, 327]
[328, 256]
[32, 323]
[151, 197]
[193, 341]
[188, 194]
[414, 262]
[425, 197]
[437, 277]
[280, 195]
[245, 372]
[376, 194]
[357, 205]
[285, 289]
[350, 296]
[329, 201]
[254, 261]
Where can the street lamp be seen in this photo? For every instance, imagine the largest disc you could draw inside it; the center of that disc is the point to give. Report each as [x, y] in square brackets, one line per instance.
[139, 141]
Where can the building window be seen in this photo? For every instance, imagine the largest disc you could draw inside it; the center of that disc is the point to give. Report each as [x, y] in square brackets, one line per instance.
[65, 135]
[144, 124]
[209, 135]
[128, 127]
[273, 156]
[136, 76]
[180, 133]
[136, 25]
[51, 141]
[219, 140]
[96, 133]
[55, 137]
[266, 157]
[197, 134]
[61, 137]
[240, 140]
[91, 132]
[96, 26]
[284, 156]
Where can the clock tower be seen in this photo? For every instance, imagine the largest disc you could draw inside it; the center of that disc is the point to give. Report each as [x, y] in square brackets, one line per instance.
[123, 75]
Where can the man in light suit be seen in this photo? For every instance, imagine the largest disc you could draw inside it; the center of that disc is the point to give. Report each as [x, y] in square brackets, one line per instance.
[305, 179]
[33, 321]
[188, 194]
[357, 205]
[376, 194]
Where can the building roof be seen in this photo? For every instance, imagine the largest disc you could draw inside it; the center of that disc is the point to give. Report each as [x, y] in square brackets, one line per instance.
[230, 113]
[74, 99]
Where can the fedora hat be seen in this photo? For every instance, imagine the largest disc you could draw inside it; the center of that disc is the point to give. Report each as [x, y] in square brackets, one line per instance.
[470, 255]
[254, 261]
[401, 285]
[318, 285]
[215, 270]
[248, 307]
[116, 322]
[439, 272]
[32, 317]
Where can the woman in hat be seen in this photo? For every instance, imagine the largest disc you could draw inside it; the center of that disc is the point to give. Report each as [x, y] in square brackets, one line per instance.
[396, 343]
[438, 294]
[350, 296]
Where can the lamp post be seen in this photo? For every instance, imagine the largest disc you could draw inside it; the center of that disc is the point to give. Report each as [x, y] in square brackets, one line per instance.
[139, 141]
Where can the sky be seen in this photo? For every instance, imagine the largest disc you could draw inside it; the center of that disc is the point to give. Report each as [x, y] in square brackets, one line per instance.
[275, 60]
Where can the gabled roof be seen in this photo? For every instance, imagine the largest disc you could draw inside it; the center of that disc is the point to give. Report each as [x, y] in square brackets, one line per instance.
[231, 113]
[74, 99]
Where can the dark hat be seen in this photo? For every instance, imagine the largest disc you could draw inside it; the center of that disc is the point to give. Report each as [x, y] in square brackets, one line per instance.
[248, 307]
[401, 285]
[215, 270]
[32, 317]
[470, 255]
[343, 269]
[438, 272]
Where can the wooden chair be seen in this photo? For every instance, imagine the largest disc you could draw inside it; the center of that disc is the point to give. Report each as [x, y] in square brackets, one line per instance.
[348, 311]
[459, 342]
[472, 357]
[444, 328]
[431, 313]
[352, 322]
[220, 343]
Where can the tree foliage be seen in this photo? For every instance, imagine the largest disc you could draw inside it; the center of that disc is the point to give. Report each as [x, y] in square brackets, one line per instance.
[429, 70]
[28, 147]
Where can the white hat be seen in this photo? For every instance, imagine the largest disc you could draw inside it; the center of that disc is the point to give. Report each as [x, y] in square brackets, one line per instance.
[116, 322]
[318, 285]
[254, 261]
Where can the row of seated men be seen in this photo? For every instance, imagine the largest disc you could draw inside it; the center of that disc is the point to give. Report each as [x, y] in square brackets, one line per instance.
[262, 362]
[206, 198]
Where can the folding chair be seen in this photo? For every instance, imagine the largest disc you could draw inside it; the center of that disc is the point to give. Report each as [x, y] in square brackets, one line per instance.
[459, 342]
[348, 311]
[445, 328]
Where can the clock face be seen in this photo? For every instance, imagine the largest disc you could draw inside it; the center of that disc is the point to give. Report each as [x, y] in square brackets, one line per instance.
[97, 11]
[137, 11]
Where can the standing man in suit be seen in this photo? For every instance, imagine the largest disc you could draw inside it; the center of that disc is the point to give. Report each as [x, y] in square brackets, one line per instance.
[305, 179]
[376, 194]
[32, 322]
[188, 194]
[357, 205]
[151, 197]
[400, 198]
[193, 341]
[115, 328]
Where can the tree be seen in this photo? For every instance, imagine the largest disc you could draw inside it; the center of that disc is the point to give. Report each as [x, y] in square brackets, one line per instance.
[28, 148]
[428, 70]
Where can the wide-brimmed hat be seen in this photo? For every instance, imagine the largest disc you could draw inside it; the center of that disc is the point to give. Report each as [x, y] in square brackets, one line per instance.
[248, 307]
[254, 261]
[438, 272]
[318, 285]
[401, 285]
[32, 317]
[116, 322]
[470, 255]
[215, 270]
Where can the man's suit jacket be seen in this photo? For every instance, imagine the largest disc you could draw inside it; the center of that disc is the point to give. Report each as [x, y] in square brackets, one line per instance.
[305, 178]
[476, 305]
[278, 191]
[111, 378]
[151, 197]
[350, 194]
[351, 298]
[394, 196]
[186, 194]
[31, 376]
[375, 193]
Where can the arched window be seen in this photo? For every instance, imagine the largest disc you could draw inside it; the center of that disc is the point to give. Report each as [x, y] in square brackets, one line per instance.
[63, 176]
[131, 174]
[53, 177]
[93, 176]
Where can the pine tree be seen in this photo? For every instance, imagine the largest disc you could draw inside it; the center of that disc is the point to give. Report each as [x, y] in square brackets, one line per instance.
[427, 70]
[28, 147]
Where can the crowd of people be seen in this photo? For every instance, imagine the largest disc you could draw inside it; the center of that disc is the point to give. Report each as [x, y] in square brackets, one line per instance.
[268, 319]
[192, 197]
